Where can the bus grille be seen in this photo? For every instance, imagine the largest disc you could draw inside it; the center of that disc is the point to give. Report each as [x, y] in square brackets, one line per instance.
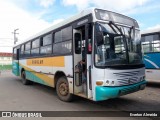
[126, 78]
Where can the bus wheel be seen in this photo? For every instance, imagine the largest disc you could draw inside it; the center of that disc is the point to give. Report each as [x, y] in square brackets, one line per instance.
[62, 89]
[24, 80]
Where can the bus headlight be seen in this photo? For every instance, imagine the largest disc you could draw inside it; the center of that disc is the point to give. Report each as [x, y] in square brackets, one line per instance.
[99, 83]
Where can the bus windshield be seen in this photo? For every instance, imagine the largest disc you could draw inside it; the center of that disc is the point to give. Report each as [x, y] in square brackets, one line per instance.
[117, 45]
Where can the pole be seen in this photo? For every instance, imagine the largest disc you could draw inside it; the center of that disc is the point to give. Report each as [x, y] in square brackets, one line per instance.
[14, 33]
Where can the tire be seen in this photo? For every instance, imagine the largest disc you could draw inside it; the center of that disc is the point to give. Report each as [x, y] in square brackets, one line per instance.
[24, 80]
[62, 89]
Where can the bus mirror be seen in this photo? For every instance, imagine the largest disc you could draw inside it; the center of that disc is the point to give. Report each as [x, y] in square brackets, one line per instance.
[89, 46]
[78, 43]
[99, 38]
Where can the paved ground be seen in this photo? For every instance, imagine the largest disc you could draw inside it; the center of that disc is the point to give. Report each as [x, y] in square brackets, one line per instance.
[16, 97]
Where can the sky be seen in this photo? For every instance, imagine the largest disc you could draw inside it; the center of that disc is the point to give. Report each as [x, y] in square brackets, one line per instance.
[33, 16]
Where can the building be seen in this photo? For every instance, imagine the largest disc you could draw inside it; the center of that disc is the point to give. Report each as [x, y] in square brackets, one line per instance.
[5, 61]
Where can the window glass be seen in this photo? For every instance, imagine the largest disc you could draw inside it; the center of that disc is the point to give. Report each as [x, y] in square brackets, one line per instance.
[156, 46]
[46, 49]
[35, 43]
[14, 53]
[143, 39]
[67, 33]
[35, 52]
[27, 53]
[28, 46]
[149, 38]
[62, 48]
[155, 37]
[47, 40]
[22, 50]
[58, 37]
[151, 43]
[119, 44]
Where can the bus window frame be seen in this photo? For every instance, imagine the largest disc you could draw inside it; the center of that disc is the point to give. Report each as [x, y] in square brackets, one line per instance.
[150, 44]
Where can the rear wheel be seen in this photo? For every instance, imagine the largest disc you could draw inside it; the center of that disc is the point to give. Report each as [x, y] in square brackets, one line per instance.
[24, 80]
[62, 89]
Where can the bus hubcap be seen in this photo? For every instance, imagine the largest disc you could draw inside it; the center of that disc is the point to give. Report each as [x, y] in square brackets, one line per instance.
[63, 89]
[23, 76]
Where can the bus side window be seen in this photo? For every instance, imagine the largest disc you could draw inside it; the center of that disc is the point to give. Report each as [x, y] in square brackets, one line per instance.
[77, 43]
[15, 53]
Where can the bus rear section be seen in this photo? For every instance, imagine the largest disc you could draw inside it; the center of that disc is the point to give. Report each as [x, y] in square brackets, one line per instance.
[151, 48]
[15, 61]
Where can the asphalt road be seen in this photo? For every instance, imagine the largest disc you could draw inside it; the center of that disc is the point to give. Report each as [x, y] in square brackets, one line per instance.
[17, 97]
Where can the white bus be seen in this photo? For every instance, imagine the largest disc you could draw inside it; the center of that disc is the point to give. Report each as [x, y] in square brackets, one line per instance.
[151, 47]
[95, 54]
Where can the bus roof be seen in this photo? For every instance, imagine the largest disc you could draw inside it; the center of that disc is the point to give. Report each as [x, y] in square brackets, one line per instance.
[154, 30]
[65, 22]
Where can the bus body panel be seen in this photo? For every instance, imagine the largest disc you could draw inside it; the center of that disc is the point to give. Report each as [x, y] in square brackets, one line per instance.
[121, 82]
[15, 68]
[152, 65]
[104, 93]
[151, 60]
[42, 70]
[152, 75]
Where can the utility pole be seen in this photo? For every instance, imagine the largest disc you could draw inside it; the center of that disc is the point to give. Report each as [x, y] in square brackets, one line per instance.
[14, 33]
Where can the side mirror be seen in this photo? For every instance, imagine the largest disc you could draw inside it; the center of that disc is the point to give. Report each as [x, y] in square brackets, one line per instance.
[99, 38]
[89, 46]
[99, 34]
[78, 43]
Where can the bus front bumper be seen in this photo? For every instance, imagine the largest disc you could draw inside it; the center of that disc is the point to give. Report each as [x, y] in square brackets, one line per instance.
[104, 93]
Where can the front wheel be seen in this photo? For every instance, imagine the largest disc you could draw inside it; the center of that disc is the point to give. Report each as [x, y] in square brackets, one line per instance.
[62, 89]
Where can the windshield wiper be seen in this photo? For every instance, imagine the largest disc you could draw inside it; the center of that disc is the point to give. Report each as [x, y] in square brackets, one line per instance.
[132, 28]
[125, 40]
[112, 23]
[129, 32]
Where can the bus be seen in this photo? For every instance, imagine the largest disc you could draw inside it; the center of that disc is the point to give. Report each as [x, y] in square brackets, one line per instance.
[95, 54]
[151, 48]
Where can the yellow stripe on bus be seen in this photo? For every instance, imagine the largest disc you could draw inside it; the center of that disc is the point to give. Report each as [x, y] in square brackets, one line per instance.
[51, 61]
[49, 79]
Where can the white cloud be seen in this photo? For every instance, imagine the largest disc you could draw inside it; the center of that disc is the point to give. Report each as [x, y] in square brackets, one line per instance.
[80, 4]
[57, 21]
[143, 9]
[46, 3]
[151, 29]
[117, 5]
[154, 28]
[12, 17]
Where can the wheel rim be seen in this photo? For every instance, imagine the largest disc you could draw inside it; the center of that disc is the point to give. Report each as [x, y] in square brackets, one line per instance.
[63, 89]
[23, 76]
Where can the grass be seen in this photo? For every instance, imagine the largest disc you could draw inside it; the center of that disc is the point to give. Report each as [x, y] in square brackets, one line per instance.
[5, 67]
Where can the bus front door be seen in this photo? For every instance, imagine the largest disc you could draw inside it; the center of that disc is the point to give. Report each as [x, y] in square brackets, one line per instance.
[78, 72]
